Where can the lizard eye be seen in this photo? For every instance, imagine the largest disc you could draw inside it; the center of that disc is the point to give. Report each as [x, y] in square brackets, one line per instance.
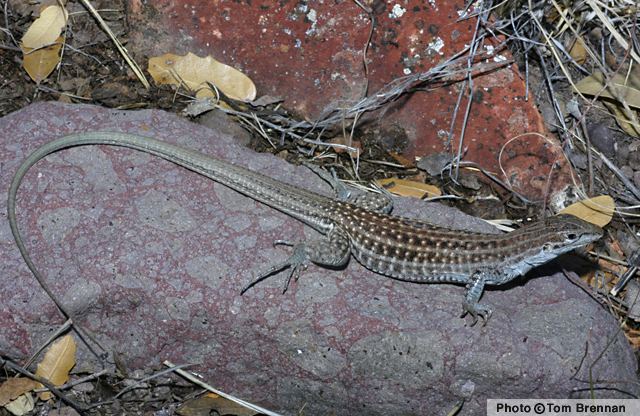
[572, 236]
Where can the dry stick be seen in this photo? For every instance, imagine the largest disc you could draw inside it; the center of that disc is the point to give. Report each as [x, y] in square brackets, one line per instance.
[83, 379]
[67, 324]
[468, 84]
[136, 384]
[151, 377]
[587, 138]
[550, 90]
[574, 111]
[121, 49]
[620, 175]
[602, 299]
[8, 31]
[497, 181]
[365, 49]
[204, 385]
[396, 88]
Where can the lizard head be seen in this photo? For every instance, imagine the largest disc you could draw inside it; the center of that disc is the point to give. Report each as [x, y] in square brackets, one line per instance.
[567, 232]
[553, 237]
[561, 234]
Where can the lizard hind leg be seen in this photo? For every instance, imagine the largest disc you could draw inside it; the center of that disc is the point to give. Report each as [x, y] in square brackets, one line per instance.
[297, 261]
[377, 202]
[333, 251]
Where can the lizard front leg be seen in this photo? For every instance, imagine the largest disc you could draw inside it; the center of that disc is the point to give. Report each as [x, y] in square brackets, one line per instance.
[334, 252]
[470, 305]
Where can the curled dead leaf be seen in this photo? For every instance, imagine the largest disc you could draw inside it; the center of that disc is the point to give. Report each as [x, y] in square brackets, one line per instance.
[42, 43]
[22, 405]
[46, 29]
[619, 86]
[194, 72]
[14, 387]
[617, 110]
[409, 188]
[578, 51]
[39, 63]
[597, 210]
[57, 362]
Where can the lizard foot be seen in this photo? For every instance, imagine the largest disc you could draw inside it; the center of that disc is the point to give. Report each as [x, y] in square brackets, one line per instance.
[297, 261]
[476, 310]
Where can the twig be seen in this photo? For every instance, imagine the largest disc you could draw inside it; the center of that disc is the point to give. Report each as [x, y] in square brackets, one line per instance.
[204, 385]
[121, 49]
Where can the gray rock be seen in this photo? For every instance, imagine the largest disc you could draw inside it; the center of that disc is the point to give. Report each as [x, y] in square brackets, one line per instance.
[152, 260]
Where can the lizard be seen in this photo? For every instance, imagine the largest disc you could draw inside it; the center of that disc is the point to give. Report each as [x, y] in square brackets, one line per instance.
[361, 226]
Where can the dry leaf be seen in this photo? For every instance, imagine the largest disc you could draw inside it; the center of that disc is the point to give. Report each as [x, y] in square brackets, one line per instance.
[345, 141]
[14, 387]
[402, 160]
[57, 362]
[41, 62]
[194, 72]
[46, 29]
[578, 51]
[597, 210]
[629, 127]
[41, 44]
[628, 88]
[211, 403]
[21, 405]
[409, 188]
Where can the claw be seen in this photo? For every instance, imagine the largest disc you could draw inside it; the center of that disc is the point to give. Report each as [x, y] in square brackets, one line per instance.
[283, 243]
[295, 273]
[476, 310]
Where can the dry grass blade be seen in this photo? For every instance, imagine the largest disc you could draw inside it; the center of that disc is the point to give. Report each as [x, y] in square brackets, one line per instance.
[552, 47]
[123, 51]
[612, 28]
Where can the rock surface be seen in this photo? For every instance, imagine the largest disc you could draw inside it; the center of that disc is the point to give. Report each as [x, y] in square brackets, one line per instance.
[150, 258]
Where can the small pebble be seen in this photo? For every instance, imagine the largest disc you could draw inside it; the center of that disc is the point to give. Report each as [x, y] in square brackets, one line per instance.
[636, 178]
[634, 155]
[622, 153]
[627, 171]
[602, 138]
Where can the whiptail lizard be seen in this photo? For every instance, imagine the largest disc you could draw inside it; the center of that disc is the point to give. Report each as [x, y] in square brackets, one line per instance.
[361, 226]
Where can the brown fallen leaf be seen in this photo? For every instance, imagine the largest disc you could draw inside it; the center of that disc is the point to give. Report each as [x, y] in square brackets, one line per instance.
[211, 403]
[57, 362]
[194, 72]
[578, 51]
[14, 387]
[617, 110]
[409, 188]
[22, 405]
[597, 210]
[628, 88]
[41, 44]
[39, 63]
[46, 28]
[404, 161]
